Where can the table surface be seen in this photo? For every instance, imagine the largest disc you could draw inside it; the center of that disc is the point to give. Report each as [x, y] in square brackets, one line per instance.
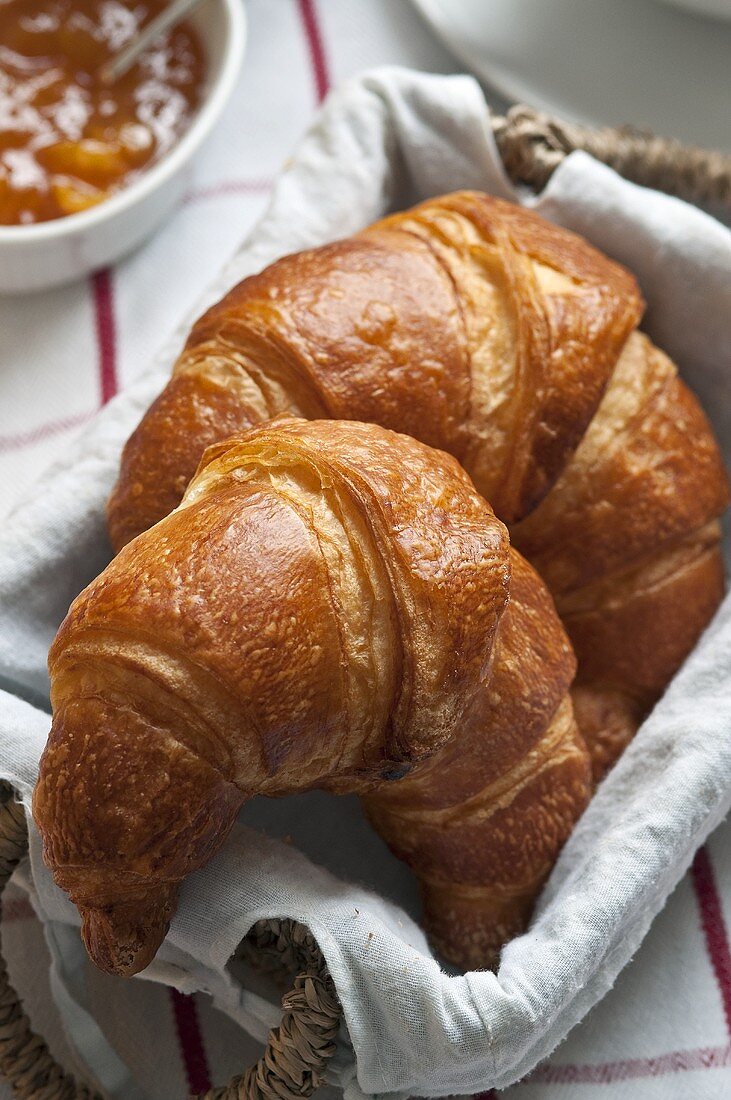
[664, 1031]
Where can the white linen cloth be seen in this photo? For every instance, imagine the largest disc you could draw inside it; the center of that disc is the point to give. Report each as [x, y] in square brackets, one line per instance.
[390, 139]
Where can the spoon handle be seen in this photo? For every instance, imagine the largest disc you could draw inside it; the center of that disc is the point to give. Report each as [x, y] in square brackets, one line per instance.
[119, 63]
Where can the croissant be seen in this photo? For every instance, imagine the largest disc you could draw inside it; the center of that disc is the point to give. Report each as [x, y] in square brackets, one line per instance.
[480, 329]
[332, 605]
[483, 819]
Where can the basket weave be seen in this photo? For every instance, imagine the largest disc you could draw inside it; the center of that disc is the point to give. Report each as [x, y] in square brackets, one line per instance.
[532, 145]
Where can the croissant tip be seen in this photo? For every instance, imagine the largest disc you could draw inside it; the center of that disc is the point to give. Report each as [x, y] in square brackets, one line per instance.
[119, 944]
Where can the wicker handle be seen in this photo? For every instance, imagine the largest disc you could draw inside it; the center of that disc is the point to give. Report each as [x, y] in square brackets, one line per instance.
[298, 1051]
[296, 1056]
[532, 145]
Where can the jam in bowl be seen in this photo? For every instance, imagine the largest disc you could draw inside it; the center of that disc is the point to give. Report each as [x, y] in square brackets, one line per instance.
[68, 140]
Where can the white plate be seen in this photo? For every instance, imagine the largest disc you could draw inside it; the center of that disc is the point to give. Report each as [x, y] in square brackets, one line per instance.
[601, 62]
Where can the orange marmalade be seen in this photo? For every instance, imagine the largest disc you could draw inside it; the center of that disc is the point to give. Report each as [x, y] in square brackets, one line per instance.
[67, 141]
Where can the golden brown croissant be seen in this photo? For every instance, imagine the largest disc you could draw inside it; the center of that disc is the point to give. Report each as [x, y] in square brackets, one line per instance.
[479, 328]
[628, 543]
[467, 322]
[332, 605]
[483, 819]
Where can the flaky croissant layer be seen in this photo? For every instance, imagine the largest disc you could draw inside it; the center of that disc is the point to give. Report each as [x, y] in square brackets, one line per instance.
[321, 611]
[483, 819]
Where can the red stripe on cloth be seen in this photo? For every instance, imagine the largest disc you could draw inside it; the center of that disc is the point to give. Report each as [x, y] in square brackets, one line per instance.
[714, 926]
[191, 1042]
[43, 431]
[228, 187]
[315, 46]
[106, 335]
[604, 1073]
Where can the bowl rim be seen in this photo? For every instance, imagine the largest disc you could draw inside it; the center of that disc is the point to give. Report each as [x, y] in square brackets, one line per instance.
[216, 97]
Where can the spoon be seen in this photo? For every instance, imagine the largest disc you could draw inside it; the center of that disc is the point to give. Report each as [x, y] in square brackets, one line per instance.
[121, 62]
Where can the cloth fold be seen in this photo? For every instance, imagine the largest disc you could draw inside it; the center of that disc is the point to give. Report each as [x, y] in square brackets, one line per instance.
[384, 141]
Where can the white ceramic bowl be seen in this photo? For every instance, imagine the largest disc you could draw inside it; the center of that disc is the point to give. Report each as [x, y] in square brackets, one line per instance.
[36, 256]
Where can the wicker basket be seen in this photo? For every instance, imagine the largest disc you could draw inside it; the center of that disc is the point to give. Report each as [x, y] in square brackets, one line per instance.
[532, 145]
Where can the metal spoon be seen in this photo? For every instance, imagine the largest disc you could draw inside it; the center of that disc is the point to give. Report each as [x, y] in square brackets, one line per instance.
[120, 63]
